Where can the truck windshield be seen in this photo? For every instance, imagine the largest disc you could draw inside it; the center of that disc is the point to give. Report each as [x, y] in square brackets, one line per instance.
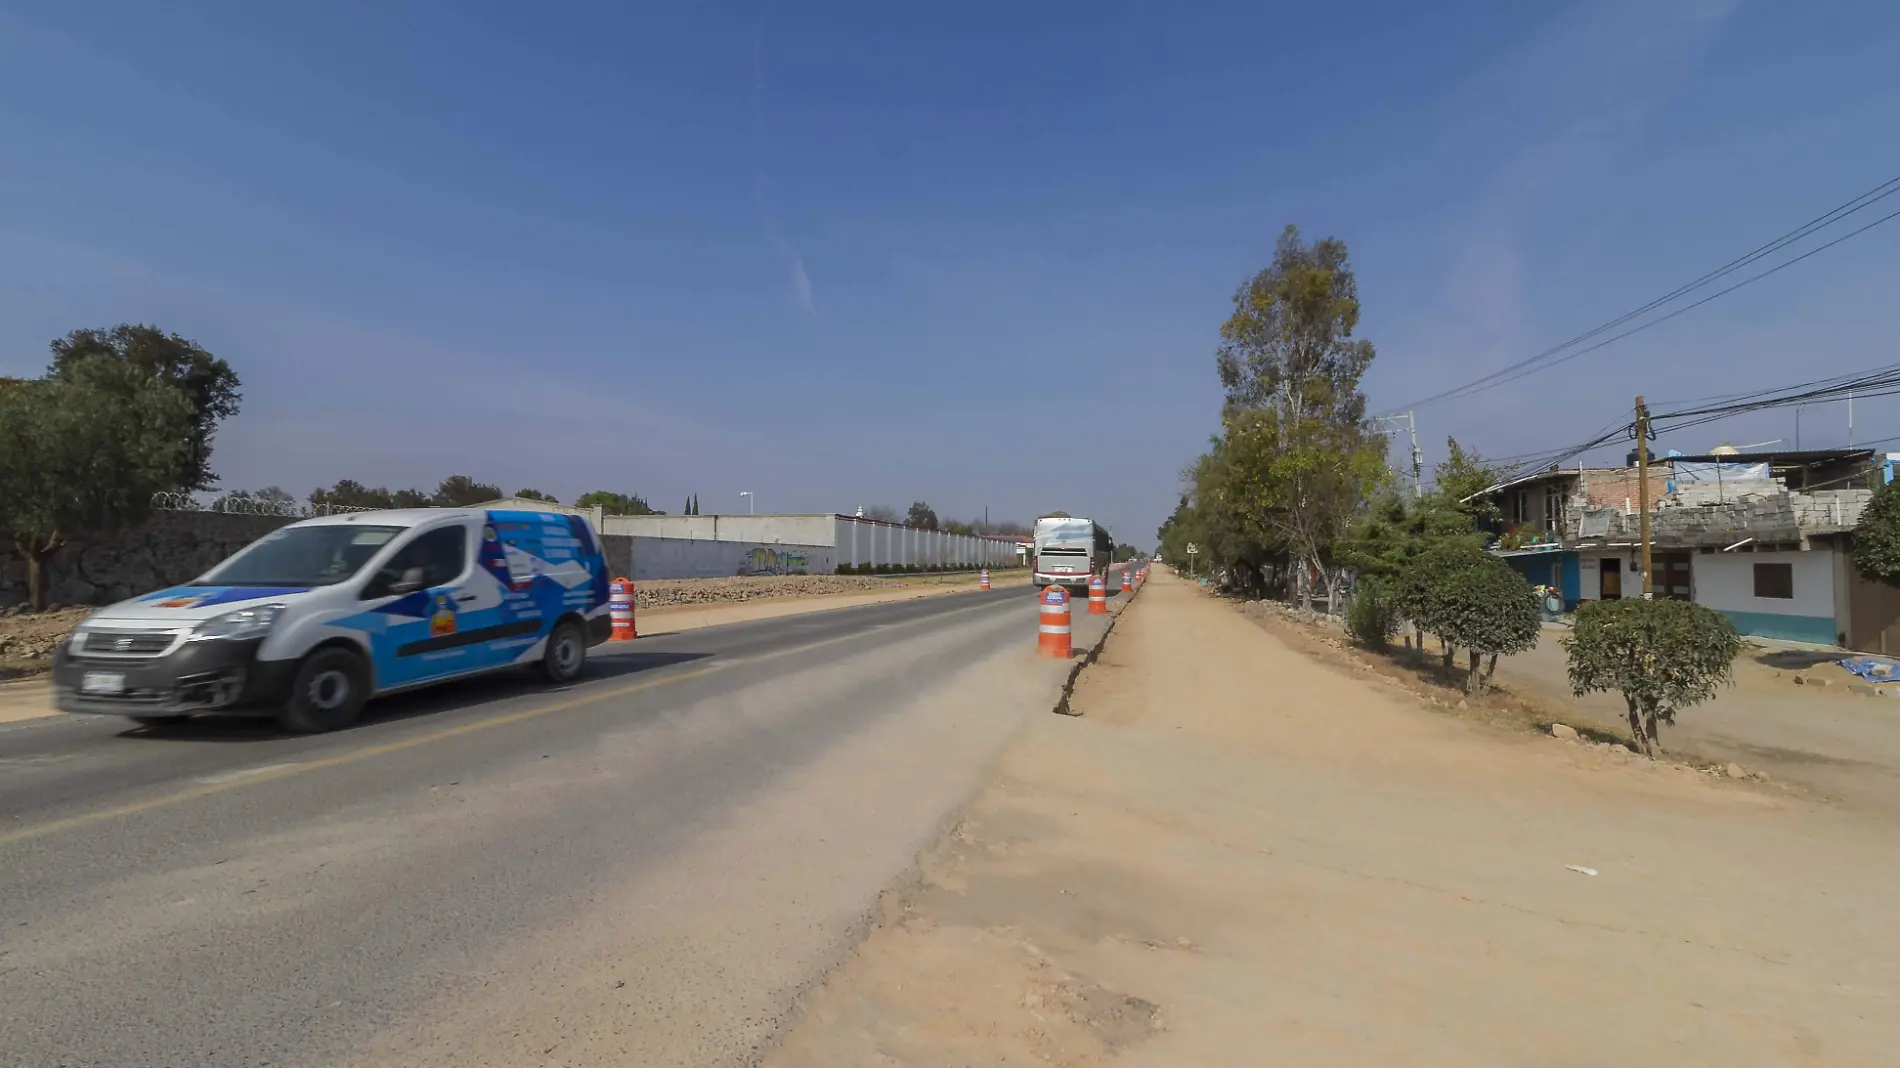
[302, 556]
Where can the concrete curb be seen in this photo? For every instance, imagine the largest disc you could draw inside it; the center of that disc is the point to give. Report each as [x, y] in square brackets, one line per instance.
[1063, 708]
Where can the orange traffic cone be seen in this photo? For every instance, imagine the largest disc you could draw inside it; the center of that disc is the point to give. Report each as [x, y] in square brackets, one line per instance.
[1052, 635]
[620, 608]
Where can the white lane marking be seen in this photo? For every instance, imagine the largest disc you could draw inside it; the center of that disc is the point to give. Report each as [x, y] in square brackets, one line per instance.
[245, 773]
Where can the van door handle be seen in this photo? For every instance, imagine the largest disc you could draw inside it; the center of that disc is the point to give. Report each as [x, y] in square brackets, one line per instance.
[464, 596]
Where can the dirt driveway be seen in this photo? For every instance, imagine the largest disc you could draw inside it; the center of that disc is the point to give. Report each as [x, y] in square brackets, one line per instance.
[1239, 857]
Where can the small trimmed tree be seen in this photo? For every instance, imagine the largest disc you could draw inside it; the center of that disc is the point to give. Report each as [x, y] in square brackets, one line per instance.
[1423, 585]
[1661, 655]
[1488, 610]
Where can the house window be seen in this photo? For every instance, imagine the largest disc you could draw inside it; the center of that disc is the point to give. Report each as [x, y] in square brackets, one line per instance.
[1519, 513]
[1774, 580]
[1554, 508]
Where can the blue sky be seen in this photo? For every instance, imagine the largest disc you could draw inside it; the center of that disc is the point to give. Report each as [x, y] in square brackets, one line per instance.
[867, 253]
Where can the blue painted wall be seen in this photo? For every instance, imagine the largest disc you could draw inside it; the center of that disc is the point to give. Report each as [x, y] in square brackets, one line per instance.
[1538, 569]
[1816, 629]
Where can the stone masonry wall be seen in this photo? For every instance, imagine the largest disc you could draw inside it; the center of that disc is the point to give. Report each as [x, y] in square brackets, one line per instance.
[168, 548]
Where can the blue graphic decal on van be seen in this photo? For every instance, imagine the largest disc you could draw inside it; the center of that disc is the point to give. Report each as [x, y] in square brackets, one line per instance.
[211, 596]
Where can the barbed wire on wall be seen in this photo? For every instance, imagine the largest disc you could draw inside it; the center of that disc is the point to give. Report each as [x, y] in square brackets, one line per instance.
[238, 504]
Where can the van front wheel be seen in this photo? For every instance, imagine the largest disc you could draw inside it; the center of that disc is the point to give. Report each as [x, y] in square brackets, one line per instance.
[332, 685]
[566, 653]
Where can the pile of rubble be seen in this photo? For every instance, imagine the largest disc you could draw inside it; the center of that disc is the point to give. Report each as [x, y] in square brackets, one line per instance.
[670, 592]
[27, 638]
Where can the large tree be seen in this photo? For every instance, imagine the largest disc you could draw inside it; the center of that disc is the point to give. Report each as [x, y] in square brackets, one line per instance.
[1304, 460]
[921, 516]
[461, 491]
[1461, 479]
[86, 450]
[208, 384]
[349, 493]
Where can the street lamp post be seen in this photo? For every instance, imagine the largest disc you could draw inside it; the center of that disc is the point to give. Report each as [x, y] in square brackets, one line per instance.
[750, 501]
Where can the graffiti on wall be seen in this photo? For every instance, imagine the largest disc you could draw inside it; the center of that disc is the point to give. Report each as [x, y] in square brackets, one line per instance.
[763, 561]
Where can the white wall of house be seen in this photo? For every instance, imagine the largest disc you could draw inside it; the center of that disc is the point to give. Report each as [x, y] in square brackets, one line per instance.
[1726, 583]
[1590, 572]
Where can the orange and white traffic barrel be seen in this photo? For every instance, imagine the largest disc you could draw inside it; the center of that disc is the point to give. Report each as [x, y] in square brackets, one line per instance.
[983, 579]
[620, 609]
[1052, 636]
[1098, 595]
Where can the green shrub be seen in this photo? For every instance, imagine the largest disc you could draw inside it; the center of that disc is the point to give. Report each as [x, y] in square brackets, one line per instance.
[1371, 616]
[846, 569]
[1489, 610]
[1877, 538]
[1419, 594]
[1661, 655]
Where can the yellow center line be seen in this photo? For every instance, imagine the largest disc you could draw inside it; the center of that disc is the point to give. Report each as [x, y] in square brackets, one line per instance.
[86, 819]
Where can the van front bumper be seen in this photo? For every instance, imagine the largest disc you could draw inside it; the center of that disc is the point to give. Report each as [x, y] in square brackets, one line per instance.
[199, 677]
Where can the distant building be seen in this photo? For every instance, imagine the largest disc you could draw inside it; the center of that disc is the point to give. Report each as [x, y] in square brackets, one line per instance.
[1762, 537]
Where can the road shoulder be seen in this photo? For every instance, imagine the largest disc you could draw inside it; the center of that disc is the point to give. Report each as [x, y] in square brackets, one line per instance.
[1236, 856]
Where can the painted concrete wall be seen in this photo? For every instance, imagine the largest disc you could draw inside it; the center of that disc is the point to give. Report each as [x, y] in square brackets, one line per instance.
[752, 529]
[673, 558]
[866, 541]
[694, 546]
[1726, 583]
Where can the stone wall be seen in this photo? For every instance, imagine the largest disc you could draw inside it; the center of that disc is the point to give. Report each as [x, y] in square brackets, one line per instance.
[168, 548]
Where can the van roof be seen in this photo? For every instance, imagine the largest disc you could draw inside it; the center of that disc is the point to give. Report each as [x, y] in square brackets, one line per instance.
[391, 517]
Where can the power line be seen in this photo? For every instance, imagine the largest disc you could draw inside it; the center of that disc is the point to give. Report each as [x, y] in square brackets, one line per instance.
[1543, 360]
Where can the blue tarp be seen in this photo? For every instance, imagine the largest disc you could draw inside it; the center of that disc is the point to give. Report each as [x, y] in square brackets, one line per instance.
[1864, 667]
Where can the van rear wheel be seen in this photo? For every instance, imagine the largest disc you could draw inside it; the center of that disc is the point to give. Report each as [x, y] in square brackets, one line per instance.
[332, 685]
[566, 653]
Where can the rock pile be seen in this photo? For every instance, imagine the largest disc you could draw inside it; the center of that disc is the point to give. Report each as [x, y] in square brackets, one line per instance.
[670, 592]
[27, 638]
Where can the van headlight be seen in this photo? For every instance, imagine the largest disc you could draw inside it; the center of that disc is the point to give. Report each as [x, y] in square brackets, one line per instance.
[252, 622]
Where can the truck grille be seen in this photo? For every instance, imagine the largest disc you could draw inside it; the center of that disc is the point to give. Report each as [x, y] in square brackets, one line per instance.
[125, 642]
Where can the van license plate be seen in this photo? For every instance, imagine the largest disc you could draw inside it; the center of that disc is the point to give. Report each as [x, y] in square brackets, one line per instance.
[102, 682]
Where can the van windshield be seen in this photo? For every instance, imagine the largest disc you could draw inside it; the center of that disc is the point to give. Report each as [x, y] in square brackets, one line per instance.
[302, 556]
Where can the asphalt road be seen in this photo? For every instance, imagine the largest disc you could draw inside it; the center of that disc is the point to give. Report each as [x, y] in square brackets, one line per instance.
[642, 868]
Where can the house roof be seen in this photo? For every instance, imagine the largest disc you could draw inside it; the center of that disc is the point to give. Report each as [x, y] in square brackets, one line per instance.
[1562, 472]
[1789, 457]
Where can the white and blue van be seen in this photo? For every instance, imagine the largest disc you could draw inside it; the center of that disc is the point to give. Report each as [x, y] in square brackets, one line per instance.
[313, 619]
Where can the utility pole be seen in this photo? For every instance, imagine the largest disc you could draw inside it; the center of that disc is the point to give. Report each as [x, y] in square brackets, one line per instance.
[1418, 459]
[1642, 488]
[1389, 425]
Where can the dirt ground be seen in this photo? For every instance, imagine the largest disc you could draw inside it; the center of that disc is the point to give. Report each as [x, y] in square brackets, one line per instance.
[1239, 856]
[27, 638]
[1830, 741]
